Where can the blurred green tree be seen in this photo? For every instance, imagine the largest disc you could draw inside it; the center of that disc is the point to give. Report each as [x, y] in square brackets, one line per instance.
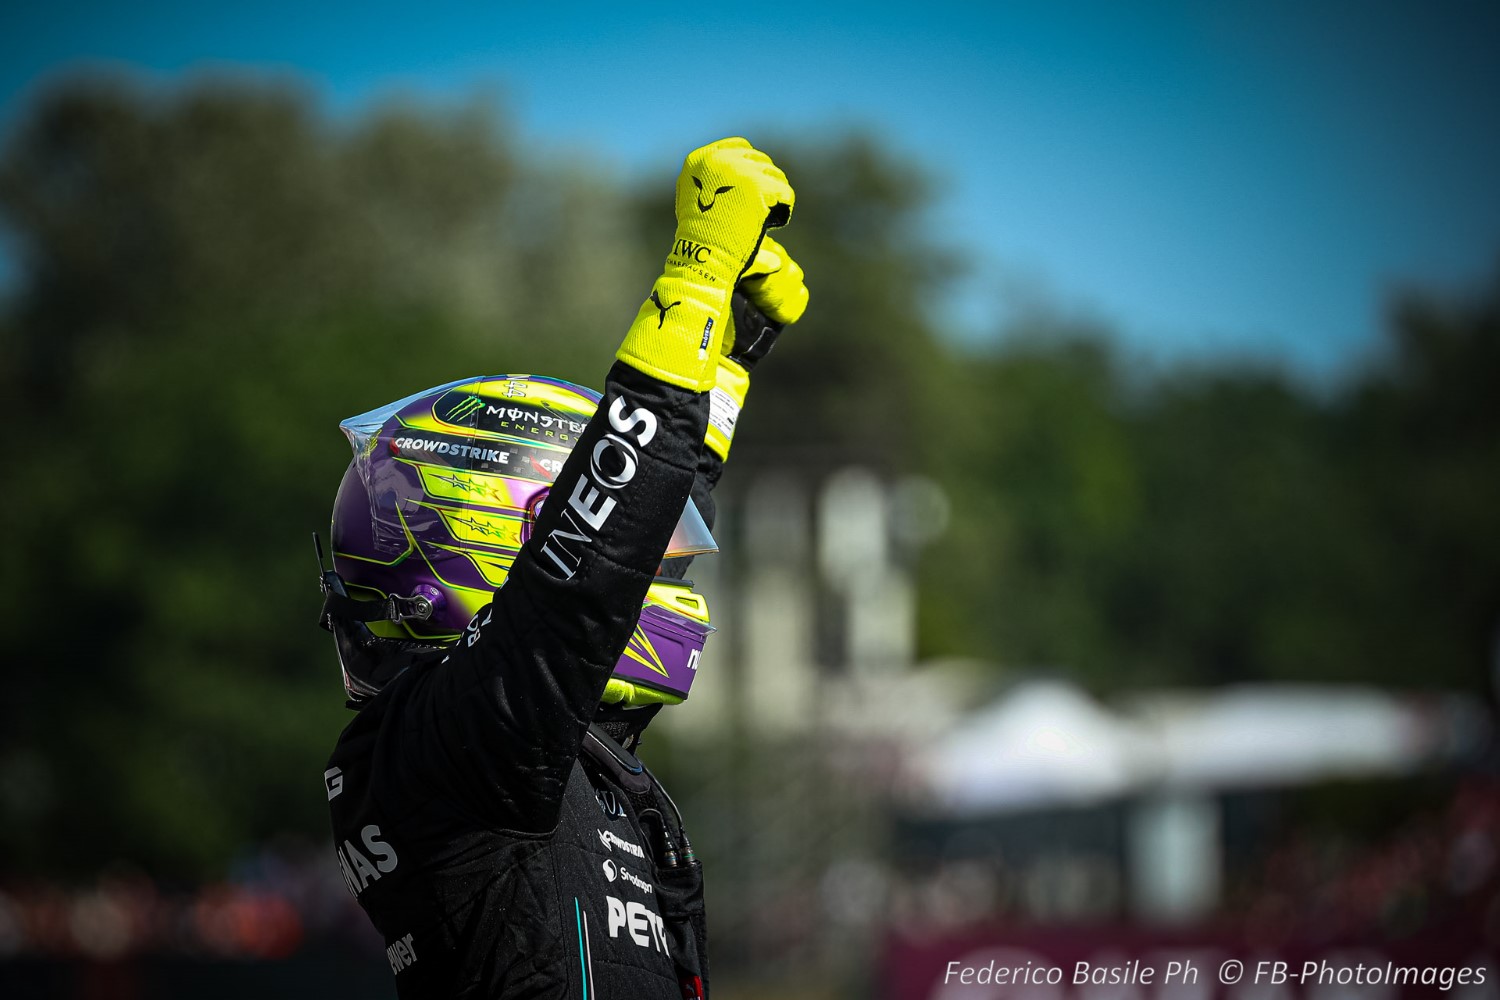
[1228, 523]
[1421, 436]
[210, 282]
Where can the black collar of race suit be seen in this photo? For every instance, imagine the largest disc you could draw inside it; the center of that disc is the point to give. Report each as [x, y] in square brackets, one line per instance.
[620, 768]
[620, 764]
[625, 725]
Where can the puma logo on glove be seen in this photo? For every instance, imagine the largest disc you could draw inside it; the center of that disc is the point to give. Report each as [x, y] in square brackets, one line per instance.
[656, 301]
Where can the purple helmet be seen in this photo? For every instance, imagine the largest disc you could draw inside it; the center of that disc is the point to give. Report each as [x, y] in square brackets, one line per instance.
[443, 491]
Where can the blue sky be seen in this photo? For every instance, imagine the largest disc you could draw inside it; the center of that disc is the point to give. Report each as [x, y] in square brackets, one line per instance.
[1210, 179]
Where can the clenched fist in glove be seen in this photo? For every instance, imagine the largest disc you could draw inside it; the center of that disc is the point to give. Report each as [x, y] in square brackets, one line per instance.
[728, 195]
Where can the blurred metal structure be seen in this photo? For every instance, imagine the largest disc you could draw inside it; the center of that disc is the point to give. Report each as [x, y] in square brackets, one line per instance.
[791, 743]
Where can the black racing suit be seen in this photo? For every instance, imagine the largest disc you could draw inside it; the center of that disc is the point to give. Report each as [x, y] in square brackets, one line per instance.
[502, 846]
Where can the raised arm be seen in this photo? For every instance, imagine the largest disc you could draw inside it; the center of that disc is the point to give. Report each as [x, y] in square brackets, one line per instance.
[518, 690]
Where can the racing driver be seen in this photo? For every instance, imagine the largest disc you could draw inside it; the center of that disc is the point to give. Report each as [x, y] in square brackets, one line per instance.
[508, 608]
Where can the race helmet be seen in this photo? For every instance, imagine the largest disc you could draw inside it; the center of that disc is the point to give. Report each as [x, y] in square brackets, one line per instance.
[444, 488]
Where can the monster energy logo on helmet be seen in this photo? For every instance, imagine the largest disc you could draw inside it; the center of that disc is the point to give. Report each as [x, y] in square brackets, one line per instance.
[466, 408]
[461, 406]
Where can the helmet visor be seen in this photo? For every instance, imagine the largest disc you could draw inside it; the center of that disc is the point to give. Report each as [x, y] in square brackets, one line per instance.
[691, 537]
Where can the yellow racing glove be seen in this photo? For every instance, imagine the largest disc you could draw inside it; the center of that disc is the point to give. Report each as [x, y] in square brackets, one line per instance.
[728, 195]
[772, 294]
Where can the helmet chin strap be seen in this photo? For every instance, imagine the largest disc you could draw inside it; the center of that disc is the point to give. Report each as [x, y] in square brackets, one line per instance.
[369, 662]
[393, 609]
[338, 604]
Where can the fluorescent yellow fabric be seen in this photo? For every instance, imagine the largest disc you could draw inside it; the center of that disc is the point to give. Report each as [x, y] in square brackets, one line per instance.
[728, 194]
[725, 400]
[775, 283]
[618, 691]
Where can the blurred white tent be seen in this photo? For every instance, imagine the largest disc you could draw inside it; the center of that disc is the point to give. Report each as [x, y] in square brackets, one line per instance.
[1044, 743]
[1047, 743]
[1286, 735]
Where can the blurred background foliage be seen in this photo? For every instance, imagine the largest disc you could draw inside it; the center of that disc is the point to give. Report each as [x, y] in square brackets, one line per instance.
[212, 278]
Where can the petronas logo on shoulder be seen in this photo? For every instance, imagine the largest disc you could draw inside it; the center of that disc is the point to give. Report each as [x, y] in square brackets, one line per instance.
[464, 409]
